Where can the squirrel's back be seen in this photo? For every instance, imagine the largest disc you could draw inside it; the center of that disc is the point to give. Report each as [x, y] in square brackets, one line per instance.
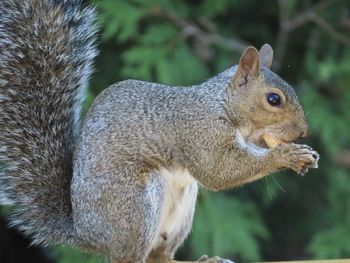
[46, 52]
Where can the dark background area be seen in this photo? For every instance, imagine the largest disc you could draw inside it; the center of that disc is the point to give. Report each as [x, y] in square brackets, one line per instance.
[182, 42]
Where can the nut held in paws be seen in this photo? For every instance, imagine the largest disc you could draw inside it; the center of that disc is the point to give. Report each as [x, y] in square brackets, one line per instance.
[271, 141]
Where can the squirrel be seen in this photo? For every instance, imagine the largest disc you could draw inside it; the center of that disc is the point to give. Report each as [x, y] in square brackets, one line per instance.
[123, 182]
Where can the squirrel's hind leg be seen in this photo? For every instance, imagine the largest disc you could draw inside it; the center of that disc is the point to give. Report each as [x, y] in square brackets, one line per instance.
[136, 219]
[116, 214]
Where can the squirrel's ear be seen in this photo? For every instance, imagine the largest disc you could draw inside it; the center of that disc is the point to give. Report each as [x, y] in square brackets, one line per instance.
[266, 55]
[249, 66]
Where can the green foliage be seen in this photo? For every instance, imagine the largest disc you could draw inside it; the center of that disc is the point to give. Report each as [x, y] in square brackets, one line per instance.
[331, 125]
[157, 50]
[210, 9]
[232, 220]
[125, 23]
[66, 254]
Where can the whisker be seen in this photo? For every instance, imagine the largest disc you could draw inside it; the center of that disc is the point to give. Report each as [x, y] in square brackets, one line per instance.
[278, 184]
[307, 113]
[268, 188]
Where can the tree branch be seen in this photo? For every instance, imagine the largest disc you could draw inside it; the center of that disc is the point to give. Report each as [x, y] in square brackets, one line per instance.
[307, 15]
[342, 158]
[283, 34]
[202, 38]
[287, 24]
[205, 33]
[345, 20]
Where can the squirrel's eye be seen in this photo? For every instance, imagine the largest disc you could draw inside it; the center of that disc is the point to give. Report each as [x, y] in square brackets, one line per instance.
[274, 99]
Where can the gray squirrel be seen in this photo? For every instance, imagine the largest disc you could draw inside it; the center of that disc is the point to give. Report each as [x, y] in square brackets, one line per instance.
[124, 182]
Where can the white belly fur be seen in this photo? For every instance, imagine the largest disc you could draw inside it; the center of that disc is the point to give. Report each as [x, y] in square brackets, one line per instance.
[179, 201]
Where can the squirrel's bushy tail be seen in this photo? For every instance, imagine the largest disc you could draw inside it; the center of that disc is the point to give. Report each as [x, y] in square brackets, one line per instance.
[46, 52]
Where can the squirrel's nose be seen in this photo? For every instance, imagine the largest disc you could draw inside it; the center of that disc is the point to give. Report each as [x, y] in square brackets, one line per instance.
[305, 132]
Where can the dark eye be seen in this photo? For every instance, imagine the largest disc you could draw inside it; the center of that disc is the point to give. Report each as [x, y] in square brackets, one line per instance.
[274, 99]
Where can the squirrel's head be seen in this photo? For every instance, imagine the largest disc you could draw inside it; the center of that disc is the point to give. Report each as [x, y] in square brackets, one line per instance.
[266, 104]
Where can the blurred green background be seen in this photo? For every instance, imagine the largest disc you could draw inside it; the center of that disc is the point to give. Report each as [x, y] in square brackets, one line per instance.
[182, 42]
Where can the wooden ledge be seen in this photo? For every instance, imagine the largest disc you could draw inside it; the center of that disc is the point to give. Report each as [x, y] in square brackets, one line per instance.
[313, 261]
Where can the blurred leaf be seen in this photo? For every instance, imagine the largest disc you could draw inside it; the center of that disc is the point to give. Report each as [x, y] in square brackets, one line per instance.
[124, 24]
[190, 72]
[66, 254]
[227, 226]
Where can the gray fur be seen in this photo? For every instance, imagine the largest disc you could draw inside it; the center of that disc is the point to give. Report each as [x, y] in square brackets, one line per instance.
[46, 52]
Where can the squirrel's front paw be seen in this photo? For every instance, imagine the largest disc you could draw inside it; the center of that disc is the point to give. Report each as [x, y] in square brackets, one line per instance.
[297, 157]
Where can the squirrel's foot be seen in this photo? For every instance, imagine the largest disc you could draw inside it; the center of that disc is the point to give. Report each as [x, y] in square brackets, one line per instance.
[206, 259]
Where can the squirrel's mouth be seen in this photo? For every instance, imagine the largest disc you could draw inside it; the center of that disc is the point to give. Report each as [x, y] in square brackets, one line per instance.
[269, 138]
[270, 141]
